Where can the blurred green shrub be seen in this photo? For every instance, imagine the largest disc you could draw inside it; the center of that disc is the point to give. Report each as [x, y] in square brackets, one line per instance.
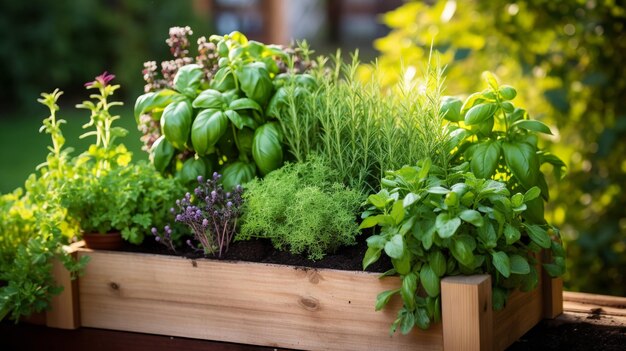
[63, 43]
[566, 58]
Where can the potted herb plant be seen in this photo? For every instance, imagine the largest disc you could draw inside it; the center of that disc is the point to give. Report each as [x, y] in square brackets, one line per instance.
[111, 198]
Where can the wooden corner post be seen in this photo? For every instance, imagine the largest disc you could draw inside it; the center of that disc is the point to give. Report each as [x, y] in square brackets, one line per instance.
[552, 291]
[467, 313]
[64, 310]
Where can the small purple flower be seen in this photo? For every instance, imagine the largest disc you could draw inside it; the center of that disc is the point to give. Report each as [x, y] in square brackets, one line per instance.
[229, 204]
[154, 231]
[216, 176]
[200, 179]
[205, 222]
[157, 239]
[103, 79]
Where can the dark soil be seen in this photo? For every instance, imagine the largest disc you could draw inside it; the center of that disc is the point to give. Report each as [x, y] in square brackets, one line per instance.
[572, 336]
[347, 258]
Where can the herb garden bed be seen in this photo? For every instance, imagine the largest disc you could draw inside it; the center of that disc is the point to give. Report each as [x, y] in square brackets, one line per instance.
[288, 306]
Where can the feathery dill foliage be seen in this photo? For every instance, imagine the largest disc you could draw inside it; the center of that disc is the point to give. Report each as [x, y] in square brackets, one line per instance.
[361, 128]
[301, 207]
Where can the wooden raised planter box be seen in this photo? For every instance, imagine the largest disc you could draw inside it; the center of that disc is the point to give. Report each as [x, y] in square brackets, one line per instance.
[291, 307]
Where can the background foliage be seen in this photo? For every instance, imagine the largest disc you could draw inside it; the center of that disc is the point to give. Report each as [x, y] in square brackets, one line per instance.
[65, 41]
[566, 61]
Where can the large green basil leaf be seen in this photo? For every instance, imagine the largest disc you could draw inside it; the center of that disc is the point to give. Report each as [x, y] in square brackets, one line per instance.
[161, 153]
[224, 80]
[371, 255]
[447, 224]
[192, 168]
[402, 265]
[176, 123]
[210, 98]
[519, 265]
[187, 80]
[207, 129]
[267, 150]
[409, 287]
[471, 101]
[534, 126]
[430, 280]
[523, 162]
[278, 100]
[255, 82]
[484, 159]
[240, 120]
[511, 234]
[237, 173]
[394, 248]
[535, 211]
[245, 104]
[383, 298]
[245, 138]
[538, 235]
[472, 216]
[462, 248]
[479, 113]
[155, 100]
[502, 263]
[437, 262]
[451, 108]
[507, 92]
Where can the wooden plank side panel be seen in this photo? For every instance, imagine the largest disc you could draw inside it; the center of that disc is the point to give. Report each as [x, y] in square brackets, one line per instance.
[242, 302]
[522, 312]
[467, 313]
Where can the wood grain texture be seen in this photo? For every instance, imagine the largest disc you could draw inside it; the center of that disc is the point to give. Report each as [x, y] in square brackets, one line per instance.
[594, 299]
[251, 303]
[63, 312]
[522, 312]
[467, 314]
[552, 291]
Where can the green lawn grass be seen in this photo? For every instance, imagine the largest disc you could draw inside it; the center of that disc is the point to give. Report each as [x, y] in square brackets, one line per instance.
[22, 147]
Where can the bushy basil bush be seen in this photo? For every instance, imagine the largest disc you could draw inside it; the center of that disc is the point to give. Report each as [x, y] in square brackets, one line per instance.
[214, 114]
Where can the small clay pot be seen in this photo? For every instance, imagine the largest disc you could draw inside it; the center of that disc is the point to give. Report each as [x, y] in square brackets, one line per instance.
[108, 241]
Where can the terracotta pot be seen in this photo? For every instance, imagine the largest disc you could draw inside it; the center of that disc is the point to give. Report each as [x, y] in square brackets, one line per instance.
[108, 241]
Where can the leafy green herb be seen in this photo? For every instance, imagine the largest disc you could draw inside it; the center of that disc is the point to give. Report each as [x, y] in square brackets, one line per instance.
[361, 129]
[211, 106]
[301, 208]
[436, 222]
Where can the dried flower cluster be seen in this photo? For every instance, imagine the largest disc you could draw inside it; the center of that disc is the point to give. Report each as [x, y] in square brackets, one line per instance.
[211, 213]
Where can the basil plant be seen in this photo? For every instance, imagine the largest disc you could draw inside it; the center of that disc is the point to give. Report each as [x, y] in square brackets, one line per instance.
[435, 223]
[221, 122]
[482, 212]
